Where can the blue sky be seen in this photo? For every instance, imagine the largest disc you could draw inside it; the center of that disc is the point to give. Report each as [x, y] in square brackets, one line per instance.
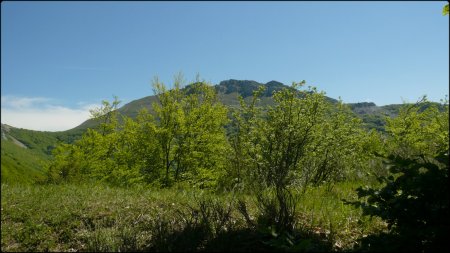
[58, 59]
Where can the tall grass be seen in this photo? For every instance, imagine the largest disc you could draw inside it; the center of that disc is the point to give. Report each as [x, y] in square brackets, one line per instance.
[323, 211]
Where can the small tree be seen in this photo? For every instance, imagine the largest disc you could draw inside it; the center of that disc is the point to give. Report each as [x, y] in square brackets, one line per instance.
[300, 141]
[145, 147]
[190, 132]
[419, 129]
[106, 115]
[170, 117]
[92, 155]
[273, 146]
[338, 147]
[202, 141]
[246, 123]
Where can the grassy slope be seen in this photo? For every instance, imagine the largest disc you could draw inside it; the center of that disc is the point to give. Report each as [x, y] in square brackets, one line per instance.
[41, 142]
[99, 218]
[20, 165]
[25, 165]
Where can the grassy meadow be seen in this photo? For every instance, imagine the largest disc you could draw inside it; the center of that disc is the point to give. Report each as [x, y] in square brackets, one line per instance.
[100, 218]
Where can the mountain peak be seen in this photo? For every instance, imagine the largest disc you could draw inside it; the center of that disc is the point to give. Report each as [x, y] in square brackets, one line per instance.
[246, 87]
[274, 83]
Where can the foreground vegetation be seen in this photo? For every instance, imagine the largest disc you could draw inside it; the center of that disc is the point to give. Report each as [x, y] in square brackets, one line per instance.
[302, 174]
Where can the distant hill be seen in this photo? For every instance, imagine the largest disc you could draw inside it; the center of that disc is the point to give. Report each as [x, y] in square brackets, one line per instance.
[374, 116]
[227, 92]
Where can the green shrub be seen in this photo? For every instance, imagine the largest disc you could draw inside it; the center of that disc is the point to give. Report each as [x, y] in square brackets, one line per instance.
[414, 202]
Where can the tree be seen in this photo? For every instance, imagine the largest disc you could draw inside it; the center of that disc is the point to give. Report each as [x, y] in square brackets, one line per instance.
[419, 129]
[91, 157]
[190, 132]
[202, 142]
[338, 149]
[246, 121]
[170, 117]
[145, 147]
[302, 140]
[272, 149]
[106, 115]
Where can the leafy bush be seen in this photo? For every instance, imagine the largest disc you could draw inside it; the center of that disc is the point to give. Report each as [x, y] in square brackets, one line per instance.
[414, 197]
[414, 202]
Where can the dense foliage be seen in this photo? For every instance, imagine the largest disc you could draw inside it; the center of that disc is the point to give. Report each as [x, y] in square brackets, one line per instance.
[303, 139]
[414, 197]
[183, 142]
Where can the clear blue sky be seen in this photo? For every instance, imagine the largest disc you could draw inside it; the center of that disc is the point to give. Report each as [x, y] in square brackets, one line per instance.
[69, 55]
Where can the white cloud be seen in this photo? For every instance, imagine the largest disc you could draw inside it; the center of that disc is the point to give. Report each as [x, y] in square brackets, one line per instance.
[22, 102]
[37, 113]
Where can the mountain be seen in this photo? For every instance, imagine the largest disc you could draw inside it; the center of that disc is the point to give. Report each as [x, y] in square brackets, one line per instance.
[227, 92]
[25, 151]
[374, 116]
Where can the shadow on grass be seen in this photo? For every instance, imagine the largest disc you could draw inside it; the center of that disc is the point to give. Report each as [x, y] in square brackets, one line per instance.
[246, 240]
[200, 239]
[392, 242]
[189, 239]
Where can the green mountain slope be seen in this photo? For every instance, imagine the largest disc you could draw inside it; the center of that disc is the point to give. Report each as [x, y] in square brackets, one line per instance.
[20, 165]
[25, 152]
[22, 154]
[374, 116]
